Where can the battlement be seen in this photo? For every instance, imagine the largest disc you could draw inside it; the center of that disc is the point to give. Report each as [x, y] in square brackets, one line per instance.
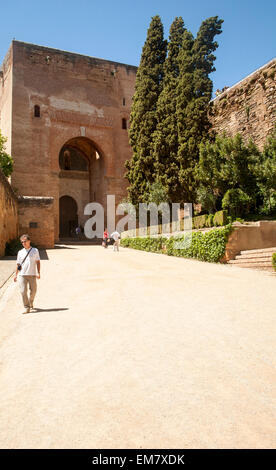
[49, 53]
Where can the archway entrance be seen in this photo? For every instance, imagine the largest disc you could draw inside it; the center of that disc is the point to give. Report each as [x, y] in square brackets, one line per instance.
[81, 178]
[68, 216]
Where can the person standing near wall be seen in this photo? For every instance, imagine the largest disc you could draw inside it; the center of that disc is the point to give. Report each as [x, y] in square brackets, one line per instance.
[116, 237]
[105, 238]
[28, 270]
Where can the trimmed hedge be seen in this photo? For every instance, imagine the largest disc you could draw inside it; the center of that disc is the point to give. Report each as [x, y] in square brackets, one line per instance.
[209, 246]
[155, 245]
[211, 220]
[200, 221]
[274, 260]
[220, 218]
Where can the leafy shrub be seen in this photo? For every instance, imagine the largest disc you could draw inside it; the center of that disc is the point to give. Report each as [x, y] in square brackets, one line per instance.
[12, 247]
[236, 201]
[225, 164]
[206, 198]
[210, 221]
[155, 245]
[269, 203]
[200, 221]
[6, 162]
[220, 218]
[274, 260]
[209, 246]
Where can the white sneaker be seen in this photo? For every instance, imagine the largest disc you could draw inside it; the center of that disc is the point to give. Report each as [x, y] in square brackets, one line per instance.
[27, 310]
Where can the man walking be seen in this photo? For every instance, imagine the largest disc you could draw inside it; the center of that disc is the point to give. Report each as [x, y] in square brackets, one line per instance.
[28, 269]
[116, 236]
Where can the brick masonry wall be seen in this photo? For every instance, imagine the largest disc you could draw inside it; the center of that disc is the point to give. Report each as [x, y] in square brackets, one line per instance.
[6, 85]
[36, 217]
[8, 213]
[249, 107]
[79, 97]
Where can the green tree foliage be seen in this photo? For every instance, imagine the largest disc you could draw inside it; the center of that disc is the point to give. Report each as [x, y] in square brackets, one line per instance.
[6, 162]
[196, 62]
[237, 202]
[157, 193]
[265, 171]
[227, 163]
[169, 116]
[185, 94]
[165, 139]
[207, 199]
[143, 121]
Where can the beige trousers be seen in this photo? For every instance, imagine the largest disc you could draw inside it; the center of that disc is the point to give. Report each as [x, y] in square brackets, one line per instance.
[23, 286]
[116, 245]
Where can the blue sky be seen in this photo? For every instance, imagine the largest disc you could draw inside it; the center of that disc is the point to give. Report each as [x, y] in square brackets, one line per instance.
[116, 30]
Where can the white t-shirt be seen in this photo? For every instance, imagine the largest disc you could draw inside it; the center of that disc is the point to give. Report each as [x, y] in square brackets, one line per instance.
[115, 235]
[29, 265]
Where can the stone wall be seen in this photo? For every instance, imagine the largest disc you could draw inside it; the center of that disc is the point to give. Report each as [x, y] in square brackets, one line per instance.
[36, 217]
[8, 213]
[249, 107]
[252, 236]
[82, 100]
[6, 84]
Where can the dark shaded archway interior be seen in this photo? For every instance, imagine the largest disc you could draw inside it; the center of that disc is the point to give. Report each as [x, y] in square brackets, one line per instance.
[81, 154]
[68, 216]
[71, 158]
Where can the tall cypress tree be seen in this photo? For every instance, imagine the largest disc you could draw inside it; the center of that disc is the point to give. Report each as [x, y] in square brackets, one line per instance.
[149, 80]
[185, 94]
[165, 139]
[195, 92]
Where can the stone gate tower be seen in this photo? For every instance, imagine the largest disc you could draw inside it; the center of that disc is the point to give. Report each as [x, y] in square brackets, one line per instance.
[66, 117]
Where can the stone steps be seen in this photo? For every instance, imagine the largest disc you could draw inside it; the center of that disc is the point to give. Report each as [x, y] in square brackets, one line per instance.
[255, 256]
[264, 261]
[255, 259]
[260, 250]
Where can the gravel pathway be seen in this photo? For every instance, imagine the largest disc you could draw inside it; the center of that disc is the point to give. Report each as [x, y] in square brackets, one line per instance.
[139, 350]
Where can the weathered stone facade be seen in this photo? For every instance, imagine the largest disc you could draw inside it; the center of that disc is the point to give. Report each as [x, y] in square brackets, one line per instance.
[52, 100]
[8, 213]
[36, 217]
[249, 107]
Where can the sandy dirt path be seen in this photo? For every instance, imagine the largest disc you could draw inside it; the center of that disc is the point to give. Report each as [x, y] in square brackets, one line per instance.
[139, 350]
[7, 267]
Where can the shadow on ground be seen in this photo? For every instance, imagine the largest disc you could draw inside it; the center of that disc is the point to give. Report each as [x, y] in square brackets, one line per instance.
[39, 310]
[62, 247]
[42, 253]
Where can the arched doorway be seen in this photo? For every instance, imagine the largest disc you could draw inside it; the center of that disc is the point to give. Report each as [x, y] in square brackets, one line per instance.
[68, 216]
[82, 176]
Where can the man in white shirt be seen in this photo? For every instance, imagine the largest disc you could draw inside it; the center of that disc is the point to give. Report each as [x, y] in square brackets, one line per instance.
[116, 236]
[29, 261]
